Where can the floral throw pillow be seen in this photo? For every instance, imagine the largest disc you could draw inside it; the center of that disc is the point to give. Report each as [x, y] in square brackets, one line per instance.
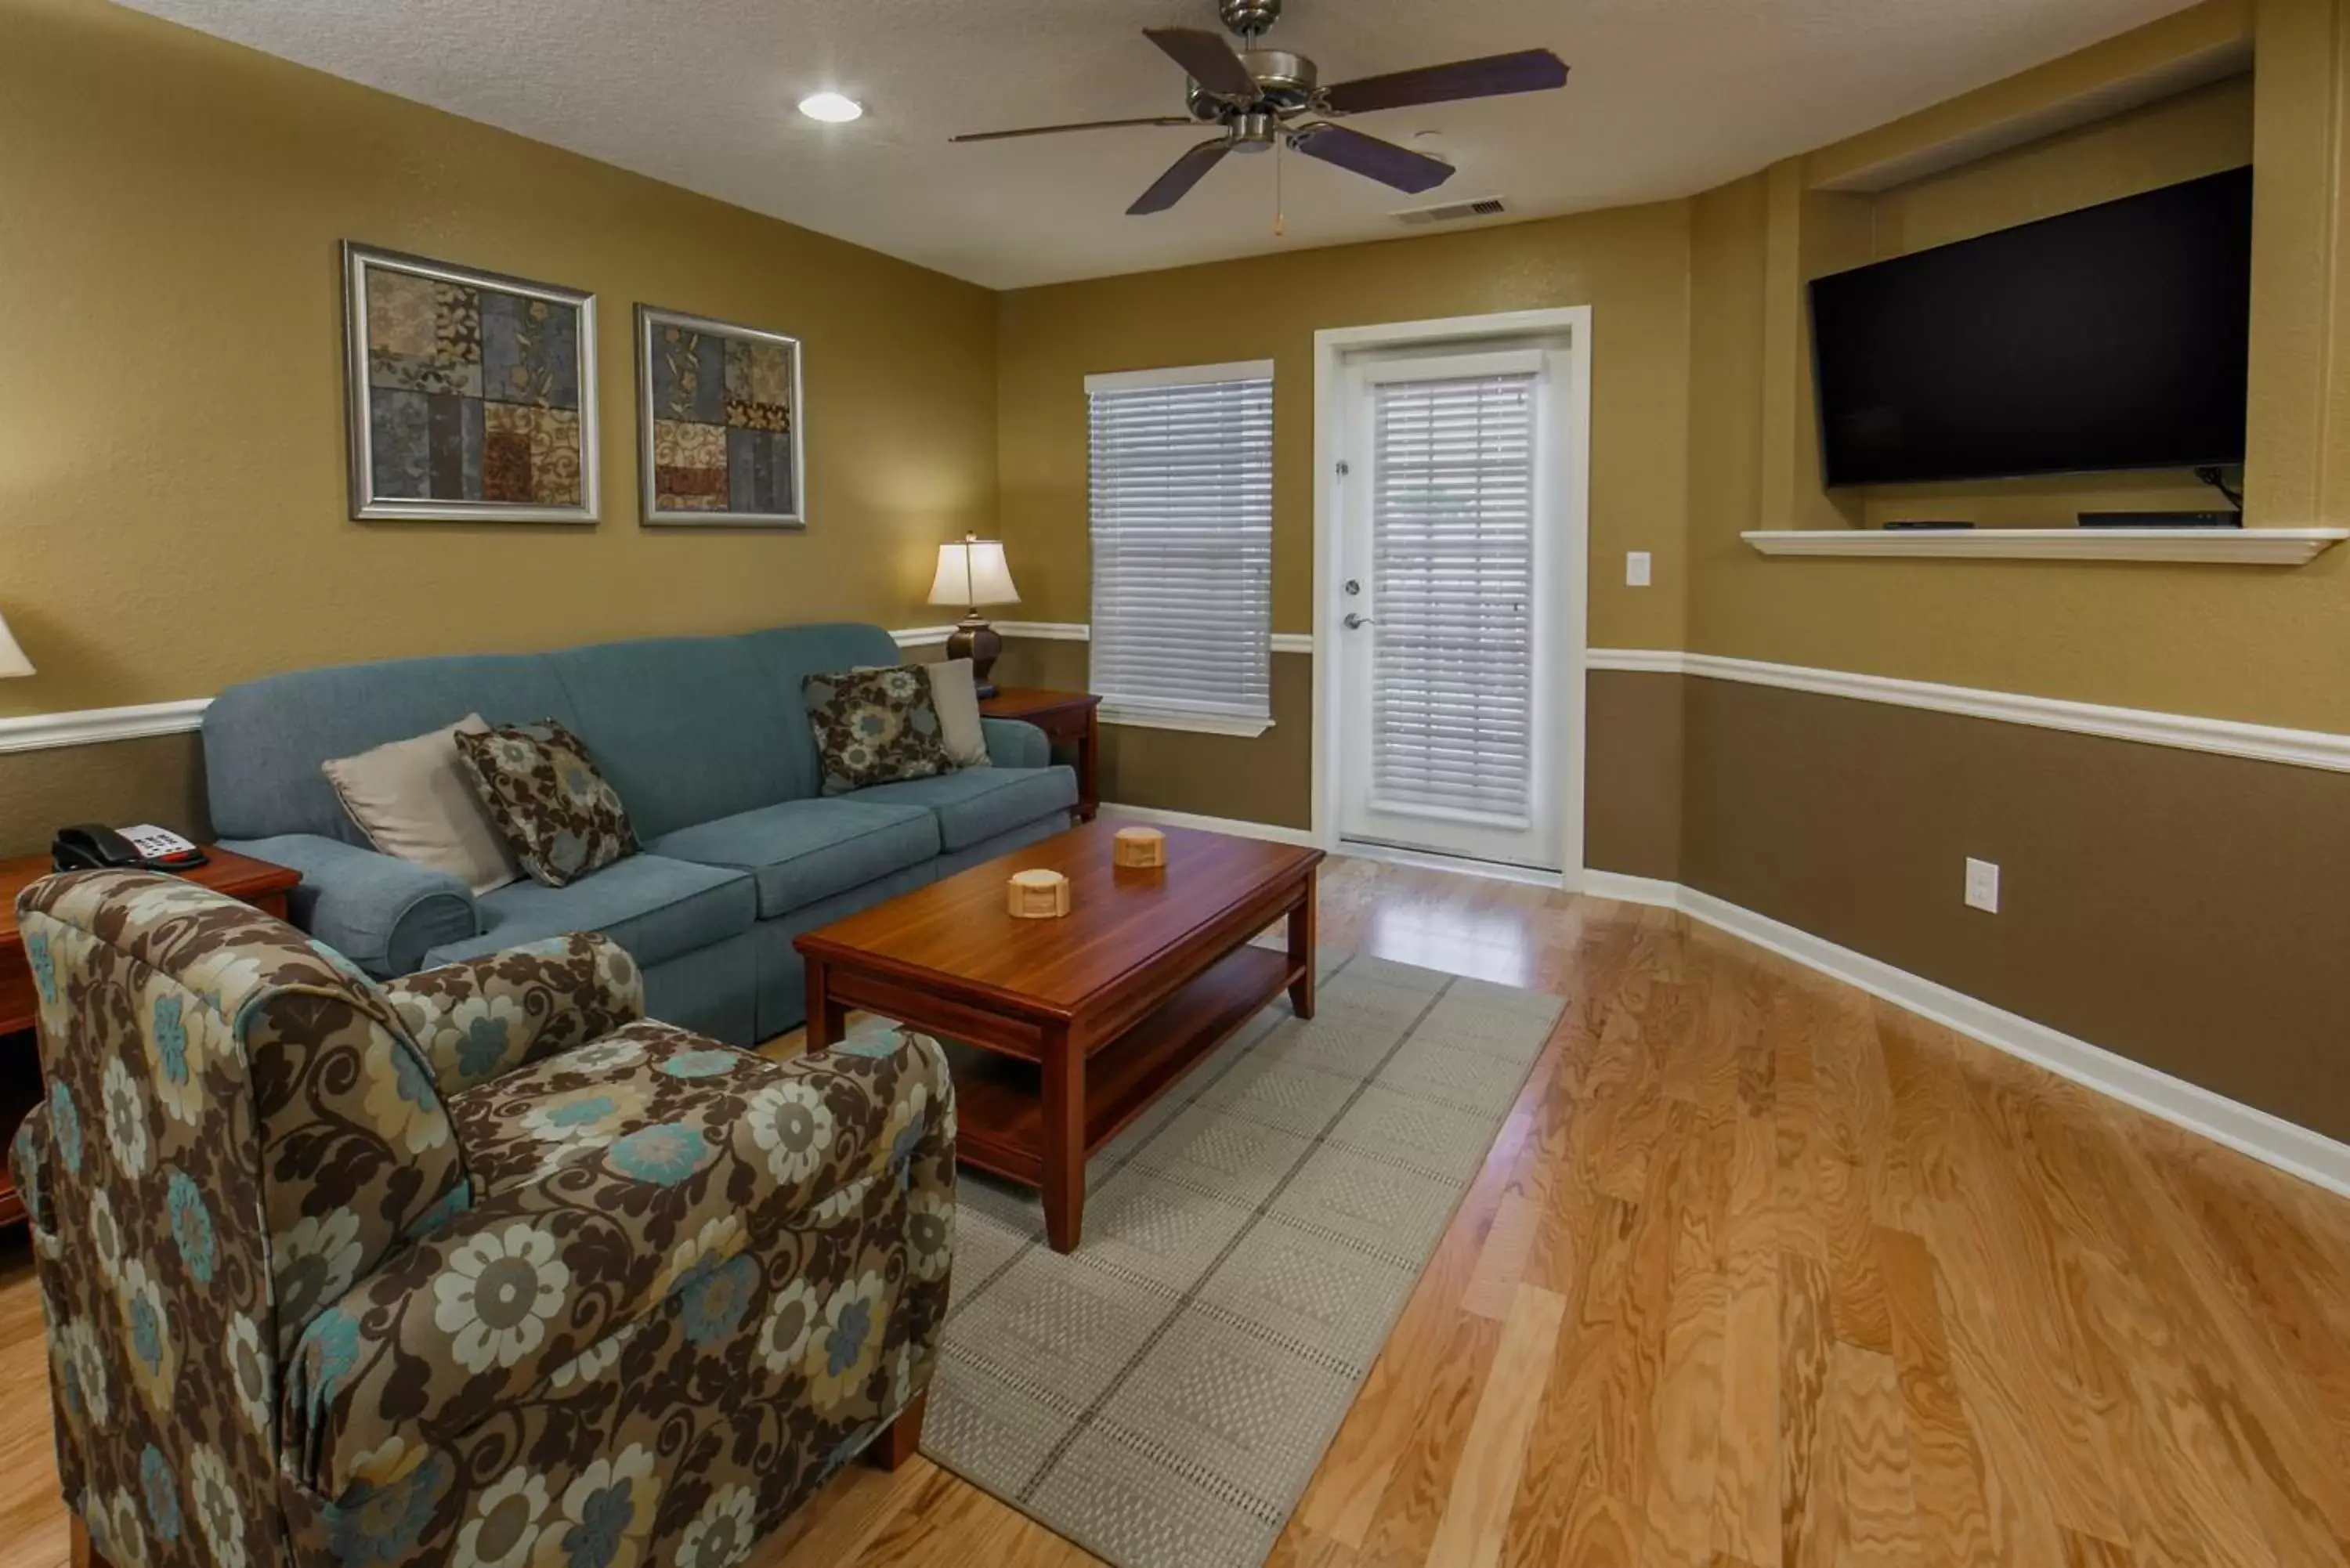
[541, 788]
[875, 726]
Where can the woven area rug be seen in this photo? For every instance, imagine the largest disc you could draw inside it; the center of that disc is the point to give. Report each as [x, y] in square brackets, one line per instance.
[1162, 1396]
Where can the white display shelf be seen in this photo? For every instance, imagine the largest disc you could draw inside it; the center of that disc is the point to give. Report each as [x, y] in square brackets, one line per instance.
[2240, 546]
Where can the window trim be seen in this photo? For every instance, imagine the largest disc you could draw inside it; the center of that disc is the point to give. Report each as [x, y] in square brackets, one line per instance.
[1198, 724]
[1180, 376]
[1227, 371]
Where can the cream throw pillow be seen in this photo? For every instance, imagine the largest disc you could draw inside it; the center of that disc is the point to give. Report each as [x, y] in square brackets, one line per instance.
[412, 800]
[955, 695]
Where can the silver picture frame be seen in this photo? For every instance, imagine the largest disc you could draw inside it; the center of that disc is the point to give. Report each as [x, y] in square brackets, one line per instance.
[790, 512]
[369, 499]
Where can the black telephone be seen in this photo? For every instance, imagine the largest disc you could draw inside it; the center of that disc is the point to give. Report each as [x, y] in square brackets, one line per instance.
[93, 846]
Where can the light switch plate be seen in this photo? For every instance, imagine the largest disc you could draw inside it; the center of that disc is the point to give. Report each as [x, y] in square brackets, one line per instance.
[1982, 884]
[1636, 568]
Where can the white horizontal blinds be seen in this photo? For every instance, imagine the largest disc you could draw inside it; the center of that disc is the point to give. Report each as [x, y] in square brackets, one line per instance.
[1452, 572]
[1183, 542]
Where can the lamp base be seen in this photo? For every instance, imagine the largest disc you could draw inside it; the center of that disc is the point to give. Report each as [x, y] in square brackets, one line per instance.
[974, 640]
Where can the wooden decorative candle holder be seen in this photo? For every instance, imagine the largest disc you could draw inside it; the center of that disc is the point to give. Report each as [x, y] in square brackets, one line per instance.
[1139, 848]
[1036, 895]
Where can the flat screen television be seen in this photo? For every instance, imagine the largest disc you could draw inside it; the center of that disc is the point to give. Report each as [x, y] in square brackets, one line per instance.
[2109, 338]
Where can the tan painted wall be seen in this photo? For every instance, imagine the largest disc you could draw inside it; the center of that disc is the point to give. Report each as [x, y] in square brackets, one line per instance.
[172, 506]
[2199, 132]
[1629, 264]
[2240, 643]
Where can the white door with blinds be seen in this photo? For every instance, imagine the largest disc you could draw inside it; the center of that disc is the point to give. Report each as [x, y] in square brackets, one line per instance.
[1451, 586]
[1181, 506]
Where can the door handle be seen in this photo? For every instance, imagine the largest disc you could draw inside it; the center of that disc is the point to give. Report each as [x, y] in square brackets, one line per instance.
[1355, 622]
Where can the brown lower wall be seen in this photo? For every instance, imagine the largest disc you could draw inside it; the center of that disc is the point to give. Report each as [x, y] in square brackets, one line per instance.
[159, 779]
[2186, 911]
[1632, 743]
[1268, 778]
[1631, 816]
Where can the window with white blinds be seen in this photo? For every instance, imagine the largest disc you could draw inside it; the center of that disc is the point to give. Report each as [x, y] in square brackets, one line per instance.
[1182, 465]
[1452, 547]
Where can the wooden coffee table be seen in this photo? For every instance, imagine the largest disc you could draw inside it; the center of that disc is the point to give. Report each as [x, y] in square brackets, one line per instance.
[1063, 1031]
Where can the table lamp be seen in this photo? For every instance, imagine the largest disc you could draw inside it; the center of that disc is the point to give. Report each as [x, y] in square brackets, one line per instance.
[11, 658]
[972, 573]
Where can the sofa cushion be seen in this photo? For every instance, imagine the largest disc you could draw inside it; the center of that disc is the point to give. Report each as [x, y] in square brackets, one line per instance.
[264, 740]
[800, 851]
[686, 728]
[784, 657]
[654, 907]
[980, 802]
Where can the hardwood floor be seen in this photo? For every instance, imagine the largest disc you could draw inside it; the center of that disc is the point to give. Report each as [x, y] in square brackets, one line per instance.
[1761, 1271]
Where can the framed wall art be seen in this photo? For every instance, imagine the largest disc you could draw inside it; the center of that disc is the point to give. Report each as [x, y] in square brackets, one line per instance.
[471, 395]
[720, 423]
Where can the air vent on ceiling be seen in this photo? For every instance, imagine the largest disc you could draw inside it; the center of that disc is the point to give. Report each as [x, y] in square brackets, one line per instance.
[1452, 211]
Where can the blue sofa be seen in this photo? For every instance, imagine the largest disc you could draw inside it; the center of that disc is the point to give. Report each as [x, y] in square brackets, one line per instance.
[708, 743]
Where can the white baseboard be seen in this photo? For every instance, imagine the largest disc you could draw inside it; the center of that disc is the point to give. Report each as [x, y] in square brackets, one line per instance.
[1459, 864]
[1156, 818]
[2270, 1139]
[1631, 889]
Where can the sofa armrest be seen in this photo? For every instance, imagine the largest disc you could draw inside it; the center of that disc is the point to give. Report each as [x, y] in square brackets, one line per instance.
[486, 1016]
[1015, 744]
[382, 913]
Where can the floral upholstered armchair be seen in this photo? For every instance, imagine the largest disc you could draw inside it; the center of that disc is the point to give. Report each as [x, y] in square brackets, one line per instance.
[478, 1268]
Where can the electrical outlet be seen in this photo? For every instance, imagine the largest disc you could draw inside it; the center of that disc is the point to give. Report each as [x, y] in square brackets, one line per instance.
[1636, 568]
[1982, 884]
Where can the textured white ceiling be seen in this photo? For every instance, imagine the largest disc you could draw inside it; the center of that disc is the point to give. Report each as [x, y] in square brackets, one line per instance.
[1667, 96]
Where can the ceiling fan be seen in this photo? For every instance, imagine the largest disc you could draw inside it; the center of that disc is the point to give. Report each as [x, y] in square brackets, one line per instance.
[1258, 96]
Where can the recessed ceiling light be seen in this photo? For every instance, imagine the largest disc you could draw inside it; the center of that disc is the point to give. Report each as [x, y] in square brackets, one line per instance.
[831, 108]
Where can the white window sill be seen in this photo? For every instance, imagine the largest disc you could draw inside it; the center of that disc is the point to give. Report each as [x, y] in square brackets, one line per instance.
[1198, 724]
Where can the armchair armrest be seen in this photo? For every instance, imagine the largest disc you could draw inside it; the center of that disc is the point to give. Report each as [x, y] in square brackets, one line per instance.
[28, 1164]
[704, 1216]
[1015, 744]
[382, 913]
[486, 1016]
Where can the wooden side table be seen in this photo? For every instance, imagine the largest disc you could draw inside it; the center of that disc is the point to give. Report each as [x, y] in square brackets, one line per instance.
[1071, 718]
[256, 882]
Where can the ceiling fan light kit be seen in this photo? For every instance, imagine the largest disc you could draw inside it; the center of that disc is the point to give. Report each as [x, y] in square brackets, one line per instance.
[1260, 98]
[832, 108]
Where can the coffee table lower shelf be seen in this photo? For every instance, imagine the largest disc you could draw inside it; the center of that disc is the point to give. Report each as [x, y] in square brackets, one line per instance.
[1000, 1100]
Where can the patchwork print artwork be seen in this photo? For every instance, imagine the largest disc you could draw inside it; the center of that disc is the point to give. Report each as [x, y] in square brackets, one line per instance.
[477, 399]
[720, 419]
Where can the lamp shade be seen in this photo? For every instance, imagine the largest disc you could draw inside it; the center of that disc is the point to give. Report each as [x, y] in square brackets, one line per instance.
[11, 658]
[972, 573]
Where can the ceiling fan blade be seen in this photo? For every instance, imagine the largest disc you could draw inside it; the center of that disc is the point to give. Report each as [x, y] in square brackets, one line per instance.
[1492, 76]
[1080, 125]
[1381, 161]
[1181, 175]
[1208, 59]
